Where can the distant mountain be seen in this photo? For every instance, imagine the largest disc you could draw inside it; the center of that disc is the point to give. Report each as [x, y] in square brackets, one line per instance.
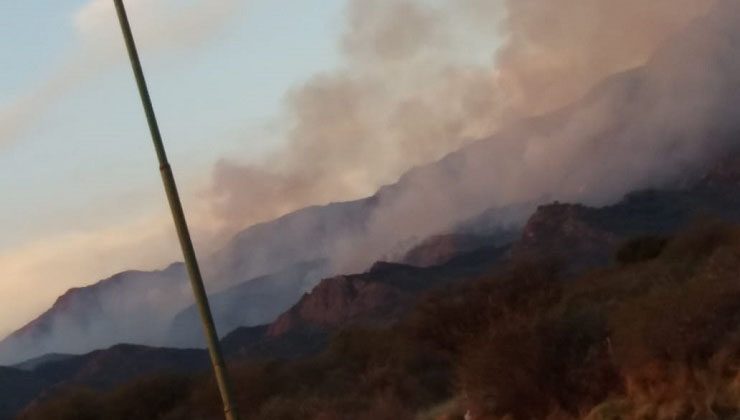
[130, 306]
[142, 307]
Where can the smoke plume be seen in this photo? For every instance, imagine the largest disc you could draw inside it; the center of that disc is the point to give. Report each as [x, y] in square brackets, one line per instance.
[423, 78]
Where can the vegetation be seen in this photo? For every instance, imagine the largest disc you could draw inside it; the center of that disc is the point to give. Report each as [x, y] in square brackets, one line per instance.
[656, 336]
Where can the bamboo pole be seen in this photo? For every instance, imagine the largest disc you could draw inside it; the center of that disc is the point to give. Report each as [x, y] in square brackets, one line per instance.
[183, 234]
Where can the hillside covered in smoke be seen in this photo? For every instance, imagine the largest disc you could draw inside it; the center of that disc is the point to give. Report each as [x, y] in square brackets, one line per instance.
[627, 311]
[577, 117]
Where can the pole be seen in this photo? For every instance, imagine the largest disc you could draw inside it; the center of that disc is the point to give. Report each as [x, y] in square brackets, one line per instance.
[191, 261]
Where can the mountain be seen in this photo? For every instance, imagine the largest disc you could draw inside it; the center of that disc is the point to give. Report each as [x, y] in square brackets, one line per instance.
[585, 237]
[657, 126]
[255, 302]
[130, 306]
[579, 236]
[147, 307]
[377, 297]
[390, 292]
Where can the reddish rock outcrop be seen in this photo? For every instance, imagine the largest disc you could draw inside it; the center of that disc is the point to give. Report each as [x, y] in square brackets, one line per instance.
[337, 301]
[566, 232]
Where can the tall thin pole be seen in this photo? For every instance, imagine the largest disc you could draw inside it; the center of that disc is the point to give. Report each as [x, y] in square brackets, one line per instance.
[191, 262]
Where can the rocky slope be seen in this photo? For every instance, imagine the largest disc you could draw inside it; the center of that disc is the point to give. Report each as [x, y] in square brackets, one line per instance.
[379, 296]
[584, 237]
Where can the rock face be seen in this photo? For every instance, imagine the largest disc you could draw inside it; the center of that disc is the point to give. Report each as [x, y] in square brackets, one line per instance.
[337, 301]
[567, 232]
[584, 237]
[380, 295]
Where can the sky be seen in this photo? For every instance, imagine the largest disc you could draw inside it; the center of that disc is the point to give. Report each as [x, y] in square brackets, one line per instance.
[77, 170]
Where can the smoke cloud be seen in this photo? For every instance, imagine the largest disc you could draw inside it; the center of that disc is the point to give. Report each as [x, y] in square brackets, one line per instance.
[651, 126]
[423, 78]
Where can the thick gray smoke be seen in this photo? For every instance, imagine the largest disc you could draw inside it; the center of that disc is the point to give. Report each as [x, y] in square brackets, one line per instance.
[422, 78]
[647, 127]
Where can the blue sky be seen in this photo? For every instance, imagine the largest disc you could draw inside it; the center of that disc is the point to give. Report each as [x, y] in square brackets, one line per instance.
[82, 164]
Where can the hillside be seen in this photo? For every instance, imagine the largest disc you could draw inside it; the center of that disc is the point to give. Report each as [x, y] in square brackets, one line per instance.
[652, 335]
[560, 241]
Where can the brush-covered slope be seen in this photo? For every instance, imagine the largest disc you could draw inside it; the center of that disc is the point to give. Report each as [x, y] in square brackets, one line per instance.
[99, 370]
[654, 336]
